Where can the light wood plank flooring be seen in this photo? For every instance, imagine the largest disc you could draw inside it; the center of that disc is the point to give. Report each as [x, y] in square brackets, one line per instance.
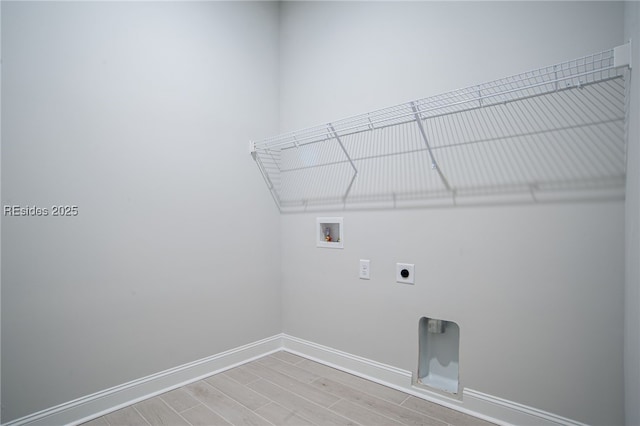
[285, 389]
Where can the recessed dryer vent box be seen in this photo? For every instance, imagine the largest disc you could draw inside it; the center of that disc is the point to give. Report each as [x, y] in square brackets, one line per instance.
[329, 232]
[439, 343]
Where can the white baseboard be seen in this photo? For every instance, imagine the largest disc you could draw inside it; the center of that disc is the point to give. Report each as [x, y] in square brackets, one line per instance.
[513, 412]
[100, 403]
[484, 406]
[362, 367]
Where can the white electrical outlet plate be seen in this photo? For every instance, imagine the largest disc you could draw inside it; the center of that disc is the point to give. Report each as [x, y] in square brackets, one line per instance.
[405, 273]
[365, 269]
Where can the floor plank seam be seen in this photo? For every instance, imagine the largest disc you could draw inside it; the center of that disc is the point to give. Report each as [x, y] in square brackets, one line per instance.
[341, 399]
[369, 410]
[304, 398]
[288, 373]
[288, 391]
[315, 380]
[297, 356]
[382, 412]
[294, 412]
[363, 406]
[284, 358]
[426, 415]
[235, 400]
[243, 368]
[405, 400]
[351, 386]
[228, 395]
[193, 408]
[432, 415]
[270, 401]
[264, 418]
[219, 414]
[209, 407]
[292, 378]
[140, 414]
[173, 409]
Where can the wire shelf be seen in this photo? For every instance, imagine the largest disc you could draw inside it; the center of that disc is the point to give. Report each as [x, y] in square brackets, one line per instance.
[560, 127]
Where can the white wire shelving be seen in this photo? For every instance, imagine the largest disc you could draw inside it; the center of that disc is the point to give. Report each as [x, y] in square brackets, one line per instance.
[557, 128]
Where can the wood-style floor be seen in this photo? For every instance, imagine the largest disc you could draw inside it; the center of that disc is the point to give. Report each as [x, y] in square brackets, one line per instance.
[285, 389]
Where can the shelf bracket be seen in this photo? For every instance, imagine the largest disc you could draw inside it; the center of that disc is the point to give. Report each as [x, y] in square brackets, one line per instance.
[355, 170]
[252, 149]
[622, 55]
[434, 164]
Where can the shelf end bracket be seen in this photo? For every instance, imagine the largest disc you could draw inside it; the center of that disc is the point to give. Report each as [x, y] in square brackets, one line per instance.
[434, 164]
[622, 55]
[355, 169]
[252, 149]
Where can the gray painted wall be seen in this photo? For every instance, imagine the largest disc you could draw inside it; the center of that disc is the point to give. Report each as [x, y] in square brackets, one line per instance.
[632, 231]
[139, 114]
[537, 290]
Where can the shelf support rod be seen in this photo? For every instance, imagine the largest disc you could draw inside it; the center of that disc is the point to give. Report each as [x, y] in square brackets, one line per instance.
[355, 170]
[434, 164]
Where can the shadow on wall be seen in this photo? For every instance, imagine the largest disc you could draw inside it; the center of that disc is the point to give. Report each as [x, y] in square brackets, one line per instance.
[555, 134]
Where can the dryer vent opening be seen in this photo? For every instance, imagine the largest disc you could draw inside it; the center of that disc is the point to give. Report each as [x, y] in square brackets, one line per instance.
[439, 343]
